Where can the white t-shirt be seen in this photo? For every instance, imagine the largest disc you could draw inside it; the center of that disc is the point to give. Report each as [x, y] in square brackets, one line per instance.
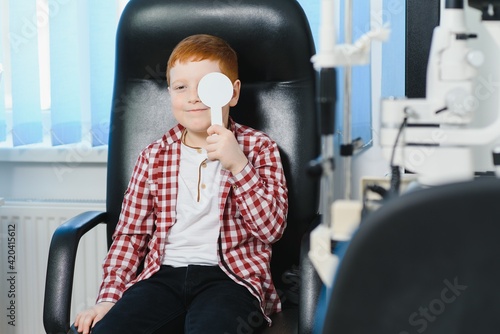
[193, 238]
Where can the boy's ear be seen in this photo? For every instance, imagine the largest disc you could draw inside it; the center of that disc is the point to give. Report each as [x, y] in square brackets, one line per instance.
[236, 93]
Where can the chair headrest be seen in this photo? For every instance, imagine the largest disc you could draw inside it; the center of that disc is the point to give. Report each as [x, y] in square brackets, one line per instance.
[260, 31]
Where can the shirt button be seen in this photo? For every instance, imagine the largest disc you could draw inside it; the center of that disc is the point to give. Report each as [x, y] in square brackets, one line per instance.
[203, 186]
[204, 164]
[235, 187]
[199, 150]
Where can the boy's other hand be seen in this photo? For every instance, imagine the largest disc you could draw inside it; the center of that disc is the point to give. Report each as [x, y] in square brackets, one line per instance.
[86, 320]
[225, 148]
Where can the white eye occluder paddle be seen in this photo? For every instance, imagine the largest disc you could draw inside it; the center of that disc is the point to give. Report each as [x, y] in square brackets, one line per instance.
[215, 91]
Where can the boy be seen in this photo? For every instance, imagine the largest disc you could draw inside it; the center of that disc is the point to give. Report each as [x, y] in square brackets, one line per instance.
[202, 209]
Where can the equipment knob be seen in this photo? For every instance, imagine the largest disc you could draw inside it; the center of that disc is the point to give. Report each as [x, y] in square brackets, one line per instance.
[475, 58]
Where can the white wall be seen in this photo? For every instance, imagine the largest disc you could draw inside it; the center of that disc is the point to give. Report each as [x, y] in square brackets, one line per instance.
[83, 181]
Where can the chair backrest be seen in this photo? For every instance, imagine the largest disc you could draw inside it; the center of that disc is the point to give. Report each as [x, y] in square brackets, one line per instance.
[274, 45]
[426, 262]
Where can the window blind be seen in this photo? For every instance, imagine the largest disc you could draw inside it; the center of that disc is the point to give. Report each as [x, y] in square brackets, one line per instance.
[3, 122]
[58, 59]
[23, 37]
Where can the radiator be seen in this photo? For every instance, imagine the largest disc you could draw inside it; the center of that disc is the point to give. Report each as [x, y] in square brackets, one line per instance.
[26, 228]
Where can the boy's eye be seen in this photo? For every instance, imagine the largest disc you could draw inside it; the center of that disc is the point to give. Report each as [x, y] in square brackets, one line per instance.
[178, 87]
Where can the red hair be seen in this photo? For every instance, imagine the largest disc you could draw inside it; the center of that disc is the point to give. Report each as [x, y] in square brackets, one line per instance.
[202, 47]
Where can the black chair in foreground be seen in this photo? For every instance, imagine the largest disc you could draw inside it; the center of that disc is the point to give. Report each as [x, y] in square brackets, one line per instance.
[274, 45]
[426, 262]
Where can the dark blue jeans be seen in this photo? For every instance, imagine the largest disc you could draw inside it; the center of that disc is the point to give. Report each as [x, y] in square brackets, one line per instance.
[191, 300]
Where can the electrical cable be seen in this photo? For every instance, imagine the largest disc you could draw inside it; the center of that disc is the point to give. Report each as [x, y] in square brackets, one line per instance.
[395, 181]
[400, 131]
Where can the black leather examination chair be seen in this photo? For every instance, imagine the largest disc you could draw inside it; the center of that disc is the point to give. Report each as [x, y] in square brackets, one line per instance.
[274, 44]
[427, 262]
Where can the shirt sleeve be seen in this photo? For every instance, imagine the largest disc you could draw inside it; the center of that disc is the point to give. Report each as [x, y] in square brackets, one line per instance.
[261, 192]
[133, 231]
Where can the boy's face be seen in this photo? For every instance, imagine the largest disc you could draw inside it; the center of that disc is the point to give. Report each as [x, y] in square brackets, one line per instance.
[186, 105]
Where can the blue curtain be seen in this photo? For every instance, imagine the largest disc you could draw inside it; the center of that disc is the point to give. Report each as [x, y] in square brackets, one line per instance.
[68, 70]
[102, 37]
[82, 48]
[393, 51]
[361, 99]
[3, 121]
[26, 110]
[82, 54]
[361, 78]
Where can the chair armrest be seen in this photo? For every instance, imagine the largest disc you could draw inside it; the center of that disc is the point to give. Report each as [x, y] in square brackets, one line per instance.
[311, 284]
[61, 267]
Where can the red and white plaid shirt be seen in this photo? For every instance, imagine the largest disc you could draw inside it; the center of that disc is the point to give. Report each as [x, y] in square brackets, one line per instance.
[253, 207]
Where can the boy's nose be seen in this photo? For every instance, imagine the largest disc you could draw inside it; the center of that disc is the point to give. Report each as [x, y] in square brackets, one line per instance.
[193, 95]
